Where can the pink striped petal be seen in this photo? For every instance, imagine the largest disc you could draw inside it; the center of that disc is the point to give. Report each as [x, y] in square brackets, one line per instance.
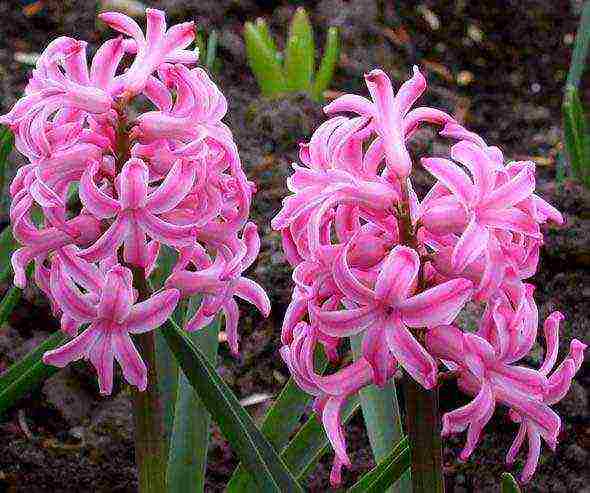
[117, 294]
[97, 202]
[74, 350]
[410, 354]
[398, 275]
[109, 242]
[479, 164]
[102, 358]
[153, 312]
[174, 188]
[511, 219]
[436, 306]
[551, 331]
[470, 246]
[134, 369]
[69, 297]
[344, 323]
[165, 232]
[452, 177]
[350, 286]
[253, 293]
[134, 183]
[512, 192]
[231, 313]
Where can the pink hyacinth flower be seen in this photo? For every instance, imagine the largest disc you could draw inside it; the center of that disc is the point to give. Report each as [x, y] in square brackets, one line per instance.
[112, 316]
[386, 312]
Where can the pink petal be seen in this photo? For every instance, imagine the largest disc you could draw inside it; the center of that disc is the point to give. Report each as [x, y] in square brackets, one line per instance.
[514, 191]
[511, 219]
[101, 357]
[123, 24]
[231, 313]
[350, 103]
[105, 63]
[117, 294]
[398, 275]
[69, 297]
[74, 350]
[452, 177]
[134, 182]
[376, 352]
[253, 293]
[410, 354]
[551, 331]
[97, 202]
[174, 188]
[344, 323]
[479, 164]
[436, 306]
[470, 246]
[153, 312]
[109, 242]
[165, 232]
[350, 286]
[134, 369]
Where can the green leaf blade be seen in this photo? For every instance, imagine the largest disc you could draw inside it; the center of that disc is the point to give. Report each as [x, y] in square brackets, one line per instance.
[254, 450]
[189, 443]
[328, 64]
[280, 421]
[382, 417]
[387, 472]
[27, 373]
[263, 62]
[300, 53]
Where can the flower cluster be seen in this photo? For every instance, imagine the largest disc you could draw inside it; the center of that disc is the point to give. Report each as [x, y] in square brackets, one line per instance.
[105, 188]
[371, 258]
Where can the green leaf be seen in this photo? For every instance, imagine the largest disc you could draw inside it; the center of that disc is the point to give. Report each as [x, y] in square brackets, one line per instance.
[6, 145]
[311, 442]
[509, 484]
[299, 53]
[11, 298]
[387, 472]
[251, 446]
[7, 246]
[211, 49]
[327, 68]
[27, 373]
[167, 369]
[190, 436]
[581, 46]
[263, 62]
[266, 36]
[280, 421]
[575, 133]
[382, 417]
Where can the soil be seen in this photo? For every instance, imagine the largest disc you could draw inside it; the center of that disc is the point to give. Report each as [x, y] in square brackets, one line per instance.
[499, 67]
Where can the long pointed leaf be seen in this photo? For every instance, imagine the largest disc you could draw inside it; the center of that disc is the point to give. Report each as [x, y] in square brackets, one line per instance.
[328, 64]
[26, 374]
[211, 49]
[278, 424]
[6, 145]
[263, 62]
[581, 46]
[299, 53]
[7, 246]
[190, 436]
[311, 442]
[266, 36]
[574, 125]
[386, 473]
[382, 417]
[254, 450]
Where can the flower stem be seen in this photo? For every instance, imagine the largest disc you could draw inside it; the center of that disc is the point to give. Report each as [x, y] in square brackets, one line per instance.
[150, 441]
[423, 429]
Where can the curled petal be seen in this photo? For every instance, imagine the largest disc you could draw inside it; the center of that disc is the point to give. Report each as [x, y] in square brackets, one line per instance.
[134, 368]
[253, 293]
[153, 312]
[398, 275]
[436, 306]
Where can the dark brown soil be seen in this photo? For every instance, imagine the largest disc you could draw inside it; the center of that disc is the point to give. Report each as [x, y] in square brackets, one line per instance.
[498, 66]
